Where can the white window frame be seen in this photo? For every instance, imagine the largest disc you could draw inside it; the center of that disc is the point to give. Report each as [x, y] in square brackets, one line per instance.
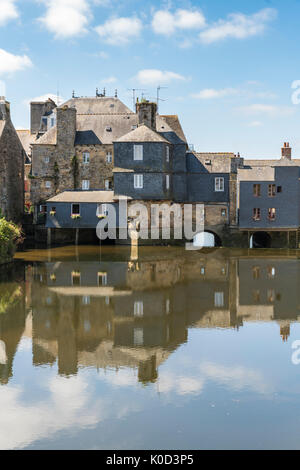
[167, 154]
[47, 159]
[107, 185]
[108, 157]
[138, 182]
[138, 152]
[138, 308]
[48, 184]
[85, 185]
[219, 299]
[167, 181]
[86, 158]
[219, 185]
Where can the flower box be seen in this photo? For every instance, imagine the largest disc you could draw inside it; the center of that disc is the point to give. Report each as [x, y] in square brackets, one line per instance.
[75, 216]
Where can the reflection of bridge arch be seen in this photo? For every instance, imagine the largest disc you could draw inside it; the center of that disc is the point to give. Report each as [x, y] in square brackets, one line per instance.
[207, 239]
[260, 240]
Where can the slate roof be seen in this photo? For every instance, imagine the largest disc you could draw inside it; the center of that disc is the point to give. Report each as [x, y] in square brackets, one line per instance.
[103, 128]
[26, 140]
[168, 125]
[143, 134]
[273, 162]
[103, 105]
[83, 196]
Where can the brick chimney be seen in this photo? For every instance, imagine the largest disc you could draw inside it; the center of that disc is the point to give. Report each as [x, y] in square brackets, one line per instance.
[4, 109]
[286, 151]
[147, 112]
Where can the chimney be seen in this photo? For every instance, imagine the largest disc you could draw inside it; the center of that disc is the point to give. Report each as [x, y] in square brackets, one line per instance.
[4, 109]
[66, 126]
[147, 112]
[286, 151]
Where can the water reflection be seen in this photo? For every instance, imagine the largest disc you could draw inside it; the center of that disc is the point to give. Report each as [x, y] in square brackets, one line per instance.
[135, 314]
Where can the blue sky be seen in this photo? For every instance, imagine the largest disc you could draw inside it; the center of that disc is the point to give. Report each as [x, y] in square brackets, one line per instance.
[229, 66]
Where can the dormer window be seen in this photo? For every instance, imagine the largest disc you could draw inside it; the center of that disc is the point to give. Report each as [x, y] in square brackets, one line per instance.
[133, 127]
[207, 162]
[138, 152]
[108, 129]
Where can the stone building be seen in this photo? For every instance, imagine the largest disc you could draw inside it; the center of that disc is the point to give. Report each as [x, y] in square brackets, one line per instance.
[12, 158]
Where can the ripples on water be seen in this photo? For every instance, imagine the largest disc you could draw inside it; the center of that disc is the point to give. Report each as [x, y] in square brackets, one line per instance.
[165, 350]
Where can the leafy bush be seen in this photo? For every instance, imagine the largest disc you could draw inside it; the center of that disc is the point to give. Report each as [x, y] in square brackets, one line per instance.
[10, 236]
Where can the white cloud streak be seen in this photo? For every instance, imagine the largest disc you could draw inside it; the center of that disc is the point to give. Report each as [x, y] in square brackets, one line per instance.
[156, 77]
[238, 26]
[119, 31]
[166, 23]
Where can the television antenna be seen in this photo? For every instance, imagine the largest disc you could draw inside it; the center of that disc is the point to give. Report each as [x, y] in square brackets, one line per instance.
[158, 95]
[134, 90]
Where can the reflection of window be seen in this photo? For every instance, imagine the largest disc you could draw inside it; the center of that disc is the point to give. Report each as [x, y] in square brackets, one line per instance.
[256, 213]
[138, 336]
[86, 300]
[223, 212]
[272, 190]
[271, 272]
[138, 309]
[272, 214]
[271, 295]
[256, 272]
[102, 279]
[102, 209]
[202, 271]
[43, 209]
[167, 181]
[76, 278]
[75, 209]
[256, 190]
[167, 306]
[256, 296]
[219, 299]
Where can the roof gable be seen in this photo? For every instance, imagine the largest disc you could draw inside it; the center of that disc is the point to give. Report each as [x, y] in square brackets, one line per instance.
[143, 133]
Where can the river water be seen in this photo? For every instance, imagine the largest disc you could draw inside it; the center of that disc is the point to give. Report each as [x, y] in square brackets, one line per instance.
[101, 348]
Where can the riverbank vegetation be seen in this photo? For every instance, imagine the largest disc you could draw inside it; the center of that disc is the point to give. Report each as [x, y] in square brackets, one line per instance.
[10, 237]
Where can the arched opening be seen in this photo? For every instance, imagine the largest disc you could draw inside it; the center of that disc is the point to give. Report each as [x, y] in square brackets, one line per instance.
[207, 240]
[260, 240]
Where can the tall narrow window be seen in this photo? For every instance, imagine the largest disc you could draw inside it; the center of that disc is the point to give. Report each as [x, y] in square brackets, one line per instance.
[139, 308]
[48, 184]
[138, 181]
[75, 209]
[272, 190]
[138, 152]
[109, 157]
[219, 299]
[107, 184]
[86, 185]
[256, 214]
[219, 184]
[86, 158]
[167, 181]
[256, 190]
[272, 214]
[167, 153]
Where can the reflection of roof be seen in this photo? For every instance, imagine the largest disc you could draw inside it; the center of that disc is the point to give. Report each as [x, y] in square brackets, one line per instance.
[122, 170]
[90, 291]
[84, 196]
[143, 134]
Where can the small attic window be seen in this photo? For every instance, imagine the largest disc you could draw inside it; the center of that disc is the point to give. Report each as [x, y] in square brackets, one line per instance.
[133, 127]
[207, 162]
[112, 105]
[108, 129]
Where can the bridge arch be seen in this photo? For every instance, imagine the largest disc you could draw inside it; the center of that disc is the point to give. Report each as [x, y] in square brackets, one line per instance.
[260, 240]
[207, 239]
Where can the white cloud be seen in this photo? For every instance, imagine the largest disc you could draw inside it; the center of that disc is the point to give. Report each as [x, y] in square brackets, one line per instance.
[66, 18]
[119, 31]
[10, 63]
[166, 23]
[8, 11]
[210, 93]
[238, 26]
[157, 77]
[45, 97]
[268, 110]
[109, 80]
